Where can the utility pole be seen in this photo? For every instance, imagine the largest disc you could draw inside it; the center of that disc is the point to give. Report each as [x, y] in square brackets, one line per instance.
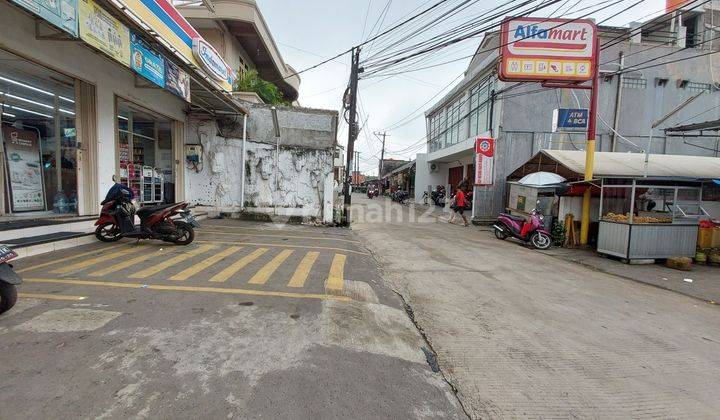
[352, 131]
[382, 153]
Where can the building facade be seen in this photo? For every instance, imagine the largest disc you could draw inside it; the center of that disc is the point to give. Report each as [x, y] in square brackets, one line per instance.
[519, 116]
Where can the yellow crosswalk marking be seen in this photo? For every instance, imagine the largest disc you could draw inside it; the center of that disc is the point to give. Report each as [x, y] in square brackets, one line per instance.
[126, 264]
[335, 281]
[70, 257]
[142, 274]
[303, 270]
[204, 264]
[92, 261]
[262, 276]
[238, 265]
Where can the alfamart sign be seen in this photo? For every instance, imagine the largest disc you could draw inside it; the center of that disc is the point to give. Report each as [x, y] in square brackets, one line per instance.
[537, 49]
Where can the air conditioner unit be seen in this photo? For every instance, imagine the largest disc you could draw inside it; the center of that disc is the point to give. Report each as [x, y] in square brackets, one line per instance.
[434, 167]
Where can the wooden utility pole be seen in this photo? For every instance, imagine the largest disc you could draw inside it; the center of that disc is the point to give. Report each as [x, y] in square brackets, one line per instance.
[352, 131]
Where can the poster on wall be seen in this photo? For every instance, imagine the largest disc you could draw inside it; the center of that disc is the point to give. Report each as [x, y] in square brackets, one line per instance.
[61, 13]
[24, 169]
[484, 158]
[177, 80]
[101, 30]
[146, 62]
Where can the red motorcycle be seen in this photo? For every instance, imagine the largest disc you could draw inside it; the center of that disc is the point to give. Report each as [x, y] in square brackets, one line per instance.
[166, 222]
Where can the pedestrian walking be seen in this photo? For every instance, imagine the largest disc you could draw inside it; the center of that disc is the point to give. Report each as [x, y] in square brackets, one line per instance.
[459, 205]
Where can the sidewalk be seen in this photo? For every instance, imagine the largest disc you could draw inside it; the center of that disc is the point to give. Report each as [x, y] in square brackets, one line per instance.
[705, 279]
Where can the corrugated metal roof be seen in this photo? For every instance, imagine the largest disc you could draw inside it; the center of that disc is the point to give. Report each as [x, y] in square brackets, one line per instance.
[633, 164]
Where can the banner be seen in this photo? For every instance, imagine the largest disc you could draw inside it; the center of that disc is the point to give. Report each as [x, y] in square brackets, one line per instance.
[146, 62]
[484, 157]
[101, 30]
[177, 80]
[24, 169]
[541, 49]
[61, 13]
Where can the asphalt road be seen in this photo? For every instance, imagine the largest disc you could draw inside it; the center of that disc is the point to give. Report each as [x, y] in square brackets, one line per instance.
[521, 334]
[250, 321]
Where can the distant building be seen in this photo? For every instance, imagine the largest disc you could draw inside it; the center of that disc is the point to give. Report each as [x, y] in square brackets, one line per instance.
[519, 117]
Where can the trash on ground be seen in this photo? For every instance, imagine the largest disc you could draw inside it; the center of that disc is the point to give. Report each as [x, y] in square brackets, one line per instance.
[688, 280]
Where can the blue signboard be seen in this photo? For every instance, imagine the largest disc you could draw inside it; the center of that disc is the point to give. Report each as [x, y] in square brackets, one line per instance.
[146, 62]
[61, 13]
[570, 119]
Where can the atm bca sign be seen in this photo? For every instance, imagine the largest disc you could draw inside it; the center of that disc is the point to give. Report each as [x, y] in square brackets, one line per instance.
[537, 49]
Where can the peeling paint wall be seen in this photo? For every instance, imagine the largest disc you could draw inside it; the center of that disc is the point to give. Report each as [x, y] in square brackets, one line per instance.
[296, 181]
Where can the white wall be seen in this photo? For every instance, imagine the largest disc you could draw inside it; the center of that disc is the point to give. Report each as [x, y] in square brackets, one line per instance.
[303, 186]
[109, 77]
[422, 176]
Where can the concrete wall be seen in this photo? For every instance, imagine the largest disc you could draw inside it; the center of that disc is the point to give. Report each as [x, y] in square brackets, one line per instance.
[109, 77]
[297, 182]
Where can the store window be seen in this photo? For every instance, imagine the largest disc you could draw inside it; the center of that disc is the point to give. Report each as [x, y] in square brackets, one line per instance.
[39, 160]
[145, 153]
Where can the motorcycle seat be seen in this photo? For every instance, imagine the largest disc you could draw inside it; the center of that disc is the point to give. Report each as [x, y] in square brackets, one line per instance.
[147, 210]
[515, 218]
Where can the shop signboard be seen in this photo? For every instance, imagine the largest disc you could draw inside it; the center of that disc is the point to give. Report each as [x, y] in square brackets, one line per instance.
[24, 169]
[101, 30]
[541, 49]
[173, 31]
[484, 158]
[570, 120]
[146, 62]
[210, 60]
[177, 80]
[61, 13]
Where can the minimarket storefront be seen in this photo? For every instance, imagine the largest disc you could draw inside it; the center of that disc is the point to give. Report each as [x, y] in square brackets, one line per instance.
[89, 100]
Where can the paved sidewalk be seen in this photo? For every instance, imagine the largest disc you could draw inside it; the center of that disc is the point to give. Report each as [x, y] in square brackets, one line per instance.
[705, 284]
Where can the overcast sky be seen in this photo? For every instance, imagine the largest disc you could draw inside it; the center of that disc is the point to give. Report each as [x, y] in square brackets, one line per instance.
[309, 31]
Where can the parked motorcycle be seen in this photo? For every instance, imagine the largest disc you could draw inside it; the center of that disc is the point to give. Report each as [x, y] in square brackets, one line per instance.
[400, 196]
[8, 279]
[518, 227]
[438, 196]
[166, 222]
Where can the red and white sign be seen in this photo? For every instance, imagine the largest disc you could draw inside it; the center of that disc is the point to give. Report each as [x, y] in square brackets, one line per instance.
[538, 49]
[484, 156]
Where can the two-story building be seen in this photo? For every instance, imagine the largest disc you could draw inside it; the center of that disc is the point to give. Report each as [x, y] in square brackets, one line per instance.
[637, 88]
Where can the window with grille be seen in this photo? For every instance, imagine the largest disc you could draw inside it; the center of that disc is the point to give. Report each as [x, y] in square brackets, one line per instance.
[634, 83]
[698, 87]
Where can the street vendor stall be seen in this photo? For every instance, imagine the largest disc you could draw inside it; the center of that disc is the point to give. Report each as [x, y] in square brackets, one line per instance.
[645, 209]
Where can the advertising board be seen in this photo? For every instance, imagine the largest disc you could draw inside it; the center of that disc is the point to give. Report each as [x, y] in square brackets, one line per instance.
[541, 49]
[24, 169]
[146, 62]
[61, 13]
[100, 29]
[570, 120]
[484, 159]
[177, 80]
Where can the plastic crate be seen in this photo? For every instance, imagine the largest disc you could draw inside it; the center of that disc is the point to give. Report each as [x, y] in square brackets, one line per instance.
[716, 238]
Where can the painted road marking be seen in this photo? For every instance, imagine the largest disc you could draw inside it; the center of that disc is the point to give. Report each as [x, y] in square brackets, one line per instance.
[204, 264]
[262, 276]
[303, 269]
[143, 274]
[238, 265]
[221, 290]
[126, 264]
[284, 246]
[92, 261]
[50, 297]
[321, 238]
[69, 257]
[335, 281]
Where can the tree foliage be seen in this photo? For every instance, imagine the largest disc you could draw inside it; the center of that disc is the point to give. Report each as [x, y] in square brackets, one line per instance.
[250, 81]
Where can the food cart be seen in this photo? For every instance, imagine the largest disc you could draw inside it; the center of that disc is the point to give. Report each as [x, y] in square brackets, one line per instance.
[644, 219]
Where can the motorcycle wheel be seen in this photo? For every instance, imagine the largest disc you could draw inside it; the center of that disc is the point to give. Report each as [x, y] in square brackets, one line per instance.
[540, 240]
[500, 234]
[187, 233]
[8, 297]
[108, 232]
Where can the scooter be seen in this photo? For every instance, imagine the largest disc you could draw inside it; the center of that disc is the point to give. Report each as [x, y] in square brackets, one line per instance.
[166, 222]
[438, 196]
[517, 227]
[9, 280]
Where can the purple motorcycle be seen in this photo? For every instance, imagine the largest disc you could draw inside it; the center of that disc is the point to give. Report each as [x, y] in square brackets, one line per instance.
[532, 231]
